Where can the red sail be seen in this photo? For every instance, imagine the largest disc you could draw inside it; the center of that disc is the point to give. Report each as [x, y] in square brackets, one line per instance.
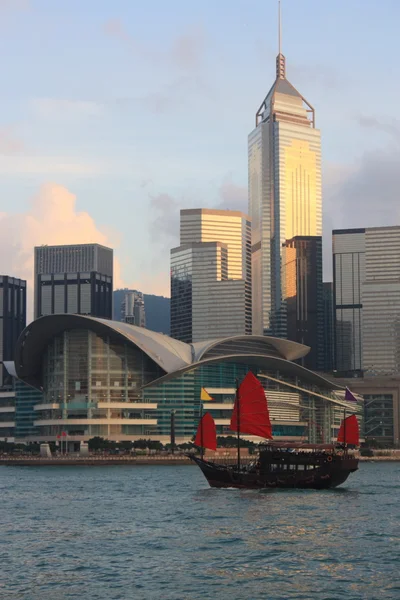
[206, 435]
[254, 414]
[349, 428]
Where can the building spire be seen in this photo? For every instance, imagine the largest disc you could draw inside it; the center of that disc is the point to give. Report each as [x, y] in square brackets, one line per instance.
[280, 59]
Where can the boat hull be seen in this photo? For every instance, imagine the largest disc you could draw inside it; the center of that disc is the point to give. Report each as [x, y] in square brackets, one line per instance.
[330, 476]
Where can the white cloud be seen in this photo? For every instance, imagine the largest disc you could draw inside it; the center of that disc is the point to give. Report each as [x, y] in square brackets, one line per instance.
[56, 108]
[52, 218]
[24, 164]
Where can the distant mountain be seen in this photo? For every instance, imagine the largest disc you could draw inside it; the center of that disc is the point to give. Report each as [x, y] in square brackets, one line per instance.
[157, 313]
[156, 309]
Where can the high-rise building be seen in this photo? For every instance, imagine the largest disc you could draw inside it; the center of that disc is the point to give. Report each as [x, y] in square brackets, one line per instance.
[284, 171]
[156, 310]
[12, 318]
[132, 308]
[348, 246]
[367, 300]
[74, 279]
[328, 326]
[302, 292]
[211, 276]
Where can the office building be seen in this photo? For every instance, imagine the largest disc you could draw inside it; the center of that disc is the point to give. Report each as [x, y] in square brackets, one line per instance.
[348, 246]
[366, 282]
[284, 180]
[211, 276]
[132, 308]
[156, 310]
[381, 410]
[12, 320]
[121, 382]
[302, 291]
[74, 279]
[328, 335]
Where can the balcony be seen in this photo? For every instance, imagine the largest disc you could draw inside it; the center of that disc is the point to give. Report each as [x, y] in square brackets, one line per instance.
[95, 421]
[137, 405]
[7, 409]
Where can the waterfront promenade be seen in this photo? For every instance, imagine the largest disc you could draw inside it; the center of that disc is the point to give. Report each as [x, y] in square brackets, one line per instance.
[158, 459]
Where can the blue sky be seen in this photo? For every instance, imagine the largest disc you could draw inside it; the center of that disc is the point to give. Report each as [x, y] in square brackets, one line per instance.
[139, 109]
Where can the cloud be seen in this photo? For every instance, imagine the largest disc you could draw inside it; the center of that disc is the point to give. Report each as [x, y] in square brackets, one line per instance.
[54, 108]
[116, 29]
[14, 4]
[9, 144]
[24, 164]
[164, 226]
[185, 52]
[233, 196]
[187, 49]
[365, 194]
[51, 219]
[392, 127]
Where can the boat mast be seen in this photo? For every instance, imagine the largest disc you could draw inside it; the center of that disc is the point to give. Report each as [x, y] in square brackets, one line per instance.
[344, 430]
[201, 430]
[238, 423]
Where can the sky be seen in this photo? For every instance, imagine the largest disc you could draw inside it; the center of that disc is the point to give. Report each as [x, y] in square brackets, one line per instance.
[115, 115]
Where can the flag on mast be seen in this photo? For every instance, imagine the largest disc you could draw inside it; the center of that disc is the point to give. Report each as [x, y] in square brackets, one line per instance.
[205, 396]
[349, 396]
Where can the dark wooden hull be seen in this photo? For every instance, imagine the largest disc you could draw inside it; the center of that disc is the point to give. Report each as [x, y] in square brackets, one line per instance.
[330, 475]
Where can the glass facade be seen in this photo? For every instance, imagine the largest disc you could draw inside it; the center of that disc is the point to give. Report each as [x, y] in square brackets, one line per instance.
[74, 279]
[211, 276]
[91, 387]
[284, 163]
[26, 398]
[107, 381]
[379, 417]
[303, 296]
[348, 278]
[12, 320]
[381, 301]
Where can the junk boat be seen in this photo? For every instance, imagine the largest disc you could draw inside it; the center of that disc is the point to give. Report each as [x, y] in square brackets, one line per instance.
[278, 464]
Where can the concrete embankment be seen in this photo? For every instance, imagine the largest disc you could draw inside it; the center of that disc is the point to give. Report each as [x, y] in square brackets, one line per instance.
[93, 461]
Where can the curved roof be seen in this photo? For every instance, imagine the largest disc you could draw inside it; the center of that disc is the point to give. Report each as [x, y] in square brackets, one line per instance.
[250, 344]
[281, 364]
[167, 353]
[171, 355]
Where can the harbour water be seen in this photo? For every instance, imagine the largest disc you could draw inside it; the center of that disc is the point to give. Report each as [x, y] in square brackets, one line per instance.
[159, 532]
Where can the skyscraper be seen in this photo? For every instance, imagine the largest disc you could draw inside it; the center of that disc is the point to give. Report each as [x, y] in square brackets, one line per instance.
[348, 246]
[329, 336]
[12, 318]
[284, 167]
[74, 279]
[367, 300]
[132, 308]
[302, 292]
[211, 276]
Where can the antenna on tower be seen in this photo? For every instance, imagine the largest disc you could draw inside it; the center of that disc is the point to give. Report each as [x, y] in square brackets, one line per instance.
[280, 27]
[280, 59]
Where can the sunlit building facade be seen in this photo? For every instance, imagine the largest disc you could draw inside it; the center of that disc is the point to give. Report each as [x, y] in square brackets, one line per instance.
[211, 276]
[74, 279]
[97, 377]
[284, 180]
[302, 291]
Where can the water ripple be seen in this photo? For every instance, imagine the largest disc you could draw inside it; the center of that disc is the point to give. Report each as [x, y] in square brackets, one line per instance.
[160, 532]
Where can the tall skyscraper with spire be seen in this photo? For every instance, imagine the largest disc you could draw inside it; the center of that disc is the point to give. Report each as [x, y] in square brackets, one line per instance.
[284, 162]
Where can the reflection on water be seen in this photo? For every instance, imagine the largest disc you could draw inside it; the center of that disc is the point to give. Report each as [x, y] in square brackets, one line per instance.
[160, 532]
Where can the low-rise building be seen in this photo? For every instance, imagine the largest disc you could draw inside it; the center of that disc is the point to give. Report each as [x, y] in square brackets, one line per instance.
[115, 380]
